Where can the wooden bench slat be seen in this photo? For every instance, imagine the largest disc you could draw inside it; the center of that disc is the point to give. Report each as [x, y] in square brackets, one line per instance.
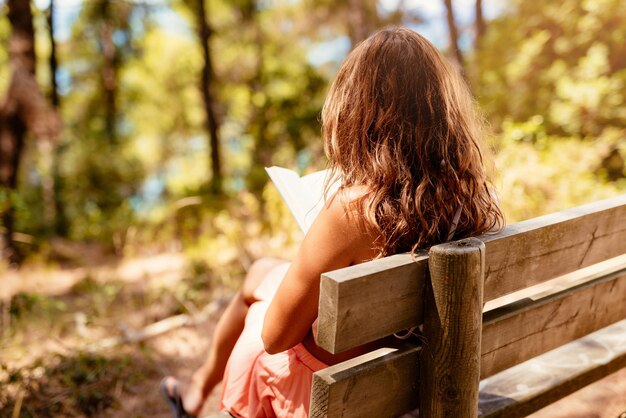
[382, 383]
[362, 303]
[522, 330]
[528, 387]
[353, 388]
[532, 251]
[355, 302]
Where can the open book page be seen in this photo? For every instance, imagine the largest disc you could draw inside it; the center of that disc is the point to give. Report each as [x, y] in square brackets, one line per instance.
[304, 195]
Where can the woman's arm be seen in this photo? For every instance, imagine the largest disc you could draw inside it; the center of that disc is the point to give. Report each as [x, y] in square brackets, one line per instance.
[333, 241]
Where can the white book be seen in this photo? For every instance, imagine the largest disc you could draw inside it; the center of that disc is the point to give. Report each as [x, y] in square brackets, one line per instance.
[304, 195]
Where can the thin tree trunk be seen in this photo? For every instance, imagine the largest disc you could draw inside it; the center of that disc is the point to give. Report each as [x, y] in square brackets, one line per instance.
[46, 171]
[109, 79]
[454, 33]
[479, 24]
[358, 21]
[109, 72]
[263, 150]
[61, 223]
[53, 206]
[52, 61]
[257, 122]
[60, 220]
[205, 32]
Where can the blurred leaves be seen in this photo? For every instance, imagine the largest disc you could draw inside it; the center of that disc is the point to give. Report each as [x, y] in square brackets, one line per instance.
[563, 60]
[540, 173]
[551, 78]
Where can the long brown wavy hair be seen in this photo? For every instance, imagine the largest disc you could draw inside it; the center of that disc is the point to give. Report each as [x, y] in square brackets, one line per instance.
[400, 121]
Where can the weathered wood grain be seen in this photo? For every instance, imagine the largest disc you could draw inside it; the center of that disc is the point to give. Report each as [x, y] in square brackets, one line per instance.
[529, 386]
[453, 303]
[602, 288]
[382, 383]
[539, 249]
[529, 327]
[558, 283]
[363, 303]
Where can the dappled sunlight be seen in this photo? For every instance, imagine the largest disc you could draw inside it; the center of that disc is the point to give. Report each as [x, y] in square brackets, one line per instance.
[161, 269]
[126, 228]
[41, 280]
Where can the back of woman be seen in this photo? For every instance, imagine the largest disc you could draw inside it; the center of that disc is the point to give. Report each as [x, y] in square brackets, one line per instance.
[403, 138]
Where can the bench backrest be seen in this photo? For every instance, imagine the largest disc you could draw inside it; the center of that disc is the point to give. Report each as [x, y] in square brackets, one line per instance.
[446, 290]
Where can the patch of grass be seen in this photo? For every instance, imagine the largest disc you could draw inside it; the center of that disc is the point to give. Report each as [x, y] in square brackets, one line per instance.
[87, 285]
[31, 312]
[93, 297]
[82, 385]
[23, 304]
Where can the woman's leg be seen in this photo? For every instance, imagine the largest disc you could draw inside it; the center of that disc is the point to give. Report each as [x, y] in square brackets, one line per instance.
[227, 331]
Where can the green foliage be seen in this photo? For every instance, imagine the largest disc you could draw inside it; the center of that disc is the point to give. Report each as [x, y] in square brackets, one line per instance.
[272, 94]
[540, 173]
[4, 52]
[551, 79]
[11, 199]
[562, 60]
[99, 181]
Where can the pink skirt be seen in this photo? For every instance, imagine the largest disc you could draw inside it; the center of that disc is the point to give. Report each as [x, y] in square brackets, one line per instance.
[257, 384]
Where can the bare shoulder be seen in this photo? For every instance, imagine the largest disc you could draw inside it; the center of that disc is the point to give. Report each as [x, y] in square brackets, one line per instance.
[346, 198]
[341, 214]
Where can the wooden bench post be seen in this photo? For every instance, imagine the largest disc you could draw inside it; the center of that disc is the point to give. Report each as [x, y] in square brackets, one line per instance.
[450, 360]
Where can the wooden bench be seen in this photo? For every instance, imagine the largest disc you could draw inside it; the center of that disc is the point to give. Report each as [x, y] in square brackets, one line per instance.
[507, 358]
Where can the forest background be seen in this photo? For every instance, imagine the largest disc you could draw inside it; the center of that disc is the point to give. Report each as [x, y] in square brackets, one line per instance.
[133, 136]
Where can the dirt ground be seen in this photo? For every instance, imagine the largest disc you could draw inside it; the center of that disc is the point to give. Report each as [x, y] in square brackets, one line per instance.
[180, 352]
[48, 366]
[55, 314]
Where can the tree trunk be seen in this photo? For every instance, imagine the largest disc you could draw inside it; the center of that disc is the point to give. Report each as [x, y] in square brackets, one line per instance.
[54, 208]
[12, 121]
[12, 132]
[479, 24]
[52, 61]
[359, 27]
[23, 109]
[258, 124]
[454, 33]
[207, 77]
[109, 72]
[60, 220]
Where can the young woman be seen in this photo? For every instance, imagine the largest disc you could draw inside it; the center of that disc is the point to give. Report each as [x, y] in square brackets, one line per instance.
[401, 133]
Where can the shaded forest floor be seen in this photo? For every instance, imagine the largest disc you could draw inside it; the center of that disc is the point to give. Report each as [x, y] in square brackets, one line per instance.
[48, 366]
[55, 315]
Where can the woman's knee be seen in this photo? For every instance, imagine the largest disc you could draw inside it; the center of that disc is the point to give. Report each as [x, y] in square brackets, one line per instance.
[257, 272]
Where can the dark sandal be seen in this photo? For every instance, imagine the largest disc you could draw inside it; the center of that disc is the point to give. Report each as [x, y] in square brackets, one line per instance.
[174, 399]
